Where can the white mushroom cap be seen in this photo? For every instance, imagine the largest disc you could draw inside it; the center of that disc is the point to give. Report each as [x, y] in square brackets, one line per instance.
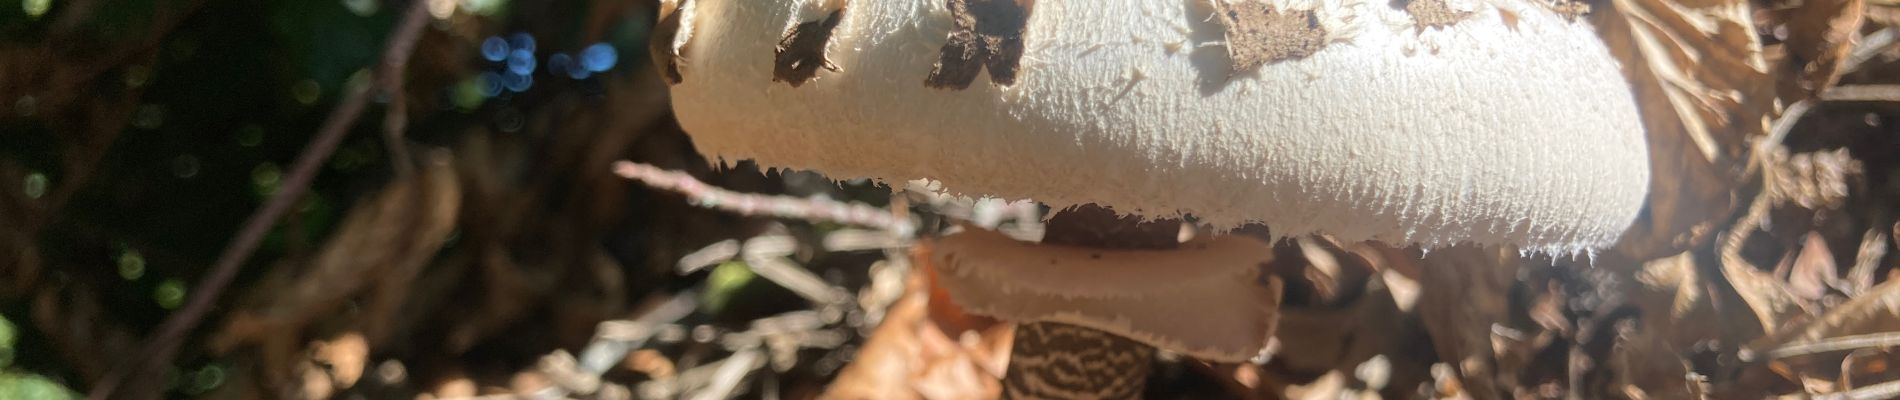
[1428, 121]
[1488, 121]
[1510, 126]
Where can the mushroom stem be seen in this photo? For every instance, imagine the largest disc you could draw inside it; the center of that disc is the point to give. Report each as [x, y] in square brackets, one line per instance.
[1057, 360]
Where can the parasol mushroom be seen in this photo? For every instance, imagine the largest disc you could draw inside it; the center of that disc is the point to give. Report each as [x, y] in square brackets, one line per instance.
[1421, 122]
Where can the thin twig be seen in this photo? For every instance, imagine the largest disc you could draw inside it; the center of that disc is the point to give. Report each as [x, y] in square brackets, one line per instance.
[1888, 92]
[613, 339]
[725, 380]
[1785, 124]
[810, 209]
[1871, 45]
[708, 256]
[797, 279]
[395, 62]
[165, 341]
[1884, 390]
[1829, 345]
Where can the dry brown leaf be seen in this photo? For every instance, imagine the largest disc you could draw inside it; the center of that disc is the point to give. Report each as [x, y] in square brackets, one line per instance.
[1813, 271]
[1766, 297]
[911, 354]
[1698, 69]
[1873, 248]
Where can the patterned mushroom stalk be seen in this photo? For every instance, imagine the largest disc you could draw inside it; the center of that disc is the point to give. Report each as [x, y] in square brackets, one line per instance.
[1420, 122]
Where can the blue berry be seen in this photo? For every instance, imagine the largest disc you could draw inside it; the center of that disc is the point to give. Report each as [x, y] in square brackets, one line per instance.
[599, 57]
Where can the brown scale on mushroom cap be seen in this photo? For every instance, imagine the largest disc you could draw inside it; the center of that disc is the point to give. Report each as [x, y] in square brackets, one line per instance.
[988, 33]
[1259, 33]
[802, 51]
[666, 46]
[1431, 13]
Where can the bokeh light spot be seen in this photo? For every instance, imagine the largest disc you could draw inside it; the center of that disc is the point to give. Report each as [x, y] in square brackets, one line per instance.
[509, 120]
[491, 84]
[250, 135]
[522, 41]
[306, 92]
[517, 82]
[35, 8]
[7, 338]
[561, 63]
[169, 294]
[264, 178]
[441, 9]
[137, 76]
[26, 106]
[207, 378]
[494, 49]
[185, 166]
[599, 57]
[521, 61]
[362, 8]
[35, 185]
[358, 79]
[131, 265]
[483, 7]
[468, 95]
[149, 116]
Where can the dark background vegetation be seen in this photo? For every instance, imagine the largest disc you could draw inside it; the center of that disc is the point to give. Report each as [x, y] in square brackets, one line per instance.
[468, 237]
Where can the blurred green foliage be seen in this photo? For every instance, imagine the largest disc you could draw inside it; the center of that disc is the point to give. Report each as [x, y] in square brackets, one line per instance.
[224, 103]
